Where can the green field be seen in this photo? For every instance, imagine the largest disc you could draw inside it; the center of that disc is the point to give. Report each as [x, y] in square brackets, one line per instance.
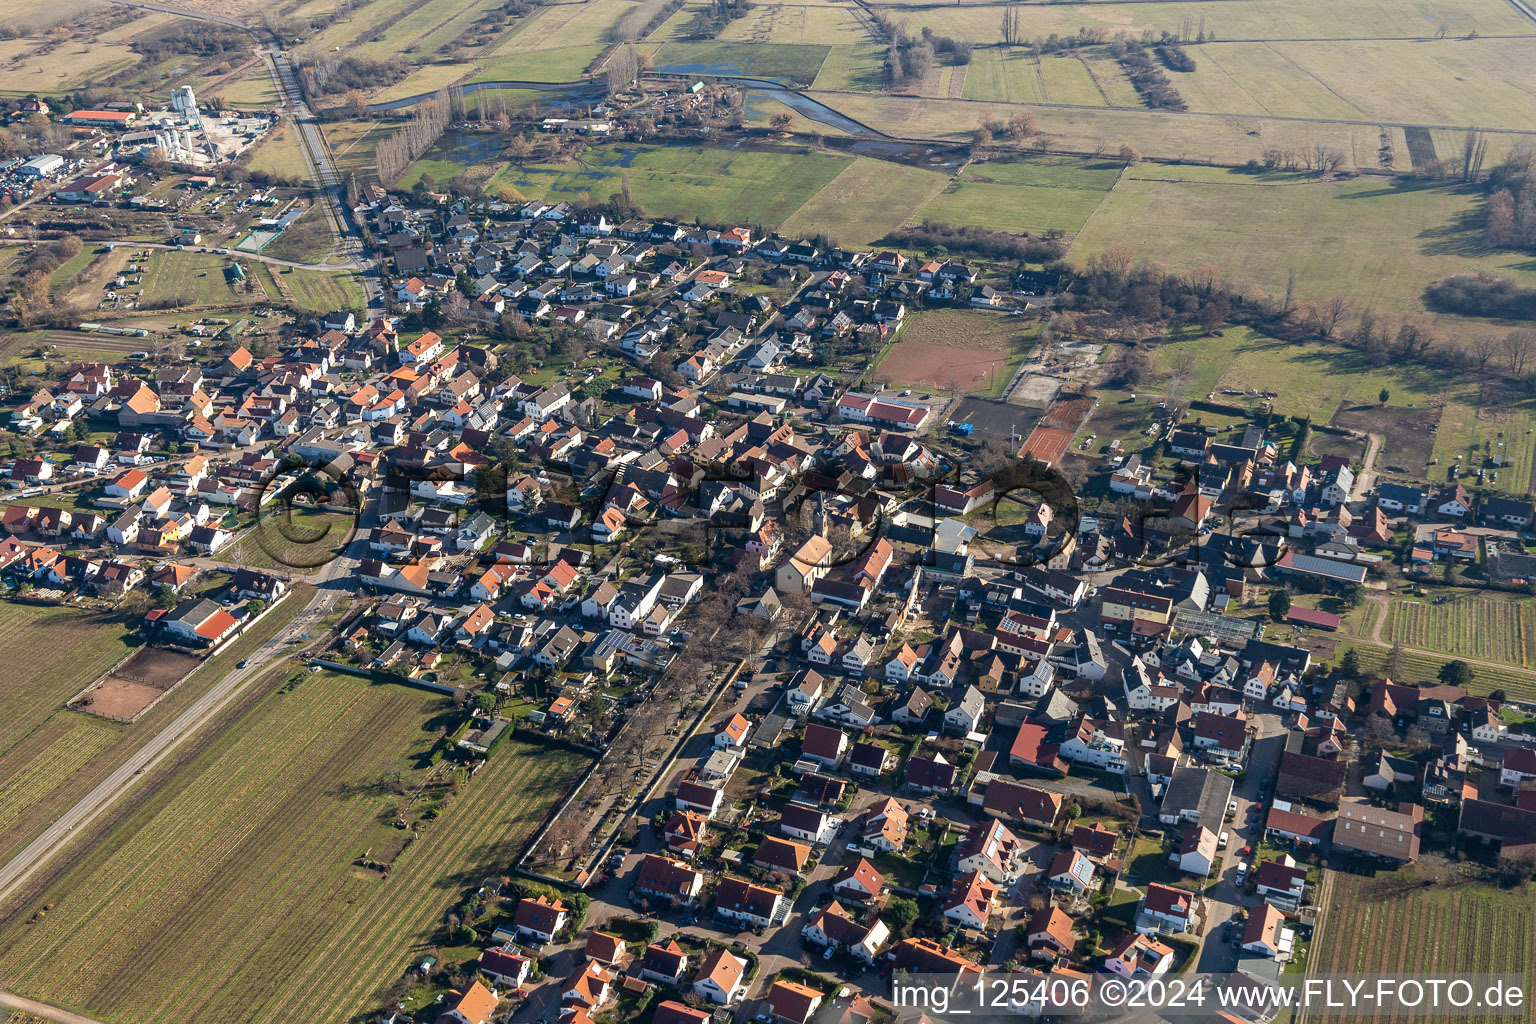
[1253, 19]
[589, 23]
[999, 73]
[232, 893]
[49, 756]
[253, 90]
[688, 182]
[853, 68]
[866, 201]
[1332, 234]
[1491, 628]
[564, 64]
[41, 744]
[794, 62]
[797, 23]
[1068, 80]
[1508, 432]
[323, 291]
[1410, 922]
[1312, 379]
[280, 154]
[302, 542]
[188, 278]
[1025, 196]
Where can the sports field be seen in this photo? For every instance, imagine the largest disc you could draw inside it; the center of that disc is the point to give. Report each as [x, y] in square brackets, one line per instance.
[688, 182]
[233, 893]
[963, 351]
[1415, 922]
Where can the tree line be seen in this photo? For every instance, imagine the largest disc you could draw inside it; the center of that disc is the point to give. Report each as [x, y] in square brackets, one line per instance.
[909, 58]
[714, 16]
[1511, 213]
[1153, 86]
[1176, 57]
[428, 120]
[327, 75]
[984, 243]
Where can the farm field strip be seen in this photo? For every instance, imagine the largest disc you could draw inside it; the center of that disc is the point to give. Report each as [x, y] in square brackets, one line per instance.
[475, 826]
[273, 792]
[1519, 684]
[1489, 628]
[246, 787]
[1395, 924]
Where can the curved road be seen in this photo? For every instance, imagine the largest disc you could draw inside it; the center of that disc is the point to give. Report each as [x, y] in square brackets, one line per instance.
[134, 243]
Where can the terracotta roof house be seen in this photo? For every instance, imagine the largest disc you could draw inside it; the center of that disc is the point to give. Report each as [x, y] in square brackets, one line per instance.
[540, 918]
[792, 1002]
[970, 900]
[722, 977]
[474, 1006]
[782, 855]
[1049, 933]
[604, 948]
[858, 881]
[674, 1012]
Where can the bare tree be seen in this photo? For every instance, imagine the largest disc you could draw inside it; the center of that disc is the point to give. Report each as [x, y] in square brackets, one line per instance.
[1518, 347]
[1483, 348]
[1332, 312]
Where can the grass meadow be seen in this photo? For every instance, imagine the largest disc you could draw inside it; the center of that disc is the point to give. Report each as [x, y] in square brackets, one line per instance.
[1332, 234]
[688, 182]
[1253, 19]
[194, 277]
[1025, 196]
[867, 200]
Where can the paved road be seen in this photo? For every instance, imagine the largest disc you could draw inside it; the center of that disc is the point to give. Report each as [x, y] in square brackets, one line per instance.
[134, 243]
[332, 584]
[317, 155]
